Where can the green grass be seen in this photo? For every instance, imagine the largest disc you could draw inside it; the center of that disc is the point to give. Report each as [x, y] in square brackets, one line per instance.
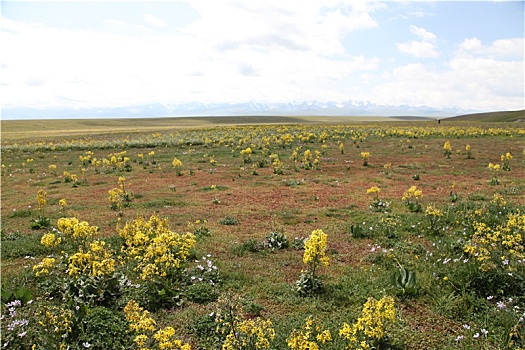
[450, 293]
[495, 117]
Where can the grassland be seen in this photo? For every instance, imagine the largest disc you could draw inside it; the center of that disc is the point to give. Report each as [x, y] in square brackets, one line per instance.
[506, 116]
[241, 197]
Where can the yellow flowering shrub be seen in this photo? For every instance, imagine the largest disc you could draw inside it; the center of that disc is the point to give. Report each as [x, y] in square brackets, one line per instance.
[412, 193]
[315, 248]
[138, 318]
[156, 250]
[365, 156]
[373, 190]
[146, 334]
[311, 336]
[434, 216]
[50, 240]
[498, 200]
[97, 261]
[176, 163]
[448, 149]
[433, 211]
[116, 198]
[369, 330]
[411, 198]
[56, 321]
[165, 339]
[314, 255]
[500, 247]
[63, 203]
[249, 334]
[75, 229]
[44, 267]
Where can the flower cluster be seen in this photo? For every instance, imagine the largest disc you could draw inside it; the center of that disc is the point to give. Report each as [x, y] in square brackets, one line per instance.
[494, 168]
[237, 332]
[156, 250]
[118, 196]
[44, 267]
[448, 149]
[50, 240]
[374, 190]
[97, 261]
[365, 156]
[498, 200]
[310, 337]
[146, 333]
[117, 161]
[369, 330]
[41, 199]
[505, 161]
[500, 247]
[411, 198]
[469, 153]
[314, 255]
[315, 249]
[177, 164]
[246, 155]
[250, 334]
[433, 215]
[79, 231]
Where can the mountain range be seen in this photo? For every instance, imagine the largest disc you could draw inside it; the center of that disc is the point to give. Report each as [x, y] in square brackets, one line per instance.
[314, 108]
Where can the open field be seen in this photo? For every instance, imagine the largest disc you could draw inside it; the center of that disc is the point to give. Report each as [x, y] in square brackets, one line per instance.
[252, 196]
[27, 129]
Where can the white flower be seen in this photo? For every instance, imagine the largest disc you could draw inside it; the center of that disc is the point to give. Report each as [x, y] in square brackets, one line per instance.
[476, 335]
[86, 345]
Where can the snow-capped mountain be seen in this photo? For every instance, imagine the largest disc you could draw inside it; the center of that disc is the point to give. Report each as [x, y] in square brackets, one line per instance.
[251, 108]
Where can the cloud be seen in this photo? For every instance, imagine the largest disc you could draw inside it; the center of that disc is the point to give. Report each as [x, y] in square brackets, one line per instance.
[424, 48]
[234, 52]
[423, 34]
[313, 26]
[418, 49]
[271, 51]
[469, 83]
[503, 48]
[154, 21]
[115, 23]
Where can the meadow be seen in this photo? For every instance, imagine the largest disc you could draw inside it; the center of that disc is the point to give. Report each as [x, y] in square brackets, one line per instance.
[285, 233]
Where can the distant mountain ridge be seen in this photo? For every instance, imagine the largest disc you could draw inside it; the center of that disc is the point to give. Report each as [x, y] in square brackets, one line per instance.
[313, 108]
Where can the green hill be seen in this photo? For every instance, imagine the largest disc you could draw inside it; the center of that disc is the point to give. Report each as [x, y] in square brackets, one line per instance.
[503, 116]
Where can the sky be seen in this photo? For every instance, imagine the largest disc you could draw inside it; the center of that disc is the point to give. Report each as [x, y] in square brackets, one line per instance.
[101, 54]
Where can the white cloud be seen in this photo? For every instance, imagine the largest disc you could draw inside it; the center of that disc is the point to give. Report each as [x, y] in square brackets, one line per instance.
[234, 52]
[423, 34]
[271, 51]
[424, 48]
[418, 49]
[469, 83]
[154, 21]
[503, 48]
[312, 26]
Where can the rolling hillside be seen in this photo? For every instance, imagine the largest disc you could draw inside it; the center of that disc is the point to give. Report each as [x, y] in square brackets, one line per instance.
[503, 116]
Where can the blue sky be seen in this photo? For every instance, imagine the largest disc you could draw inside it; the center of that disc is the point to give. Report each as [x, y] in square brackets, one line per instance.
[93, 54]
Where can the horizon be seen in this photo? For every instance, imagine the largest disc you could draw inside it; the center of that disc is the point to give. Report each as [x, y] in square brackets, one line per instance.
[436, 57]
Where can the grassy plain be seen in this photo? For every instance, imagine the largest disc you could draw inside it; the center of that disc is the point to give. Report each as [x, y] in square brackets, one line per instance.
[294, 196]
